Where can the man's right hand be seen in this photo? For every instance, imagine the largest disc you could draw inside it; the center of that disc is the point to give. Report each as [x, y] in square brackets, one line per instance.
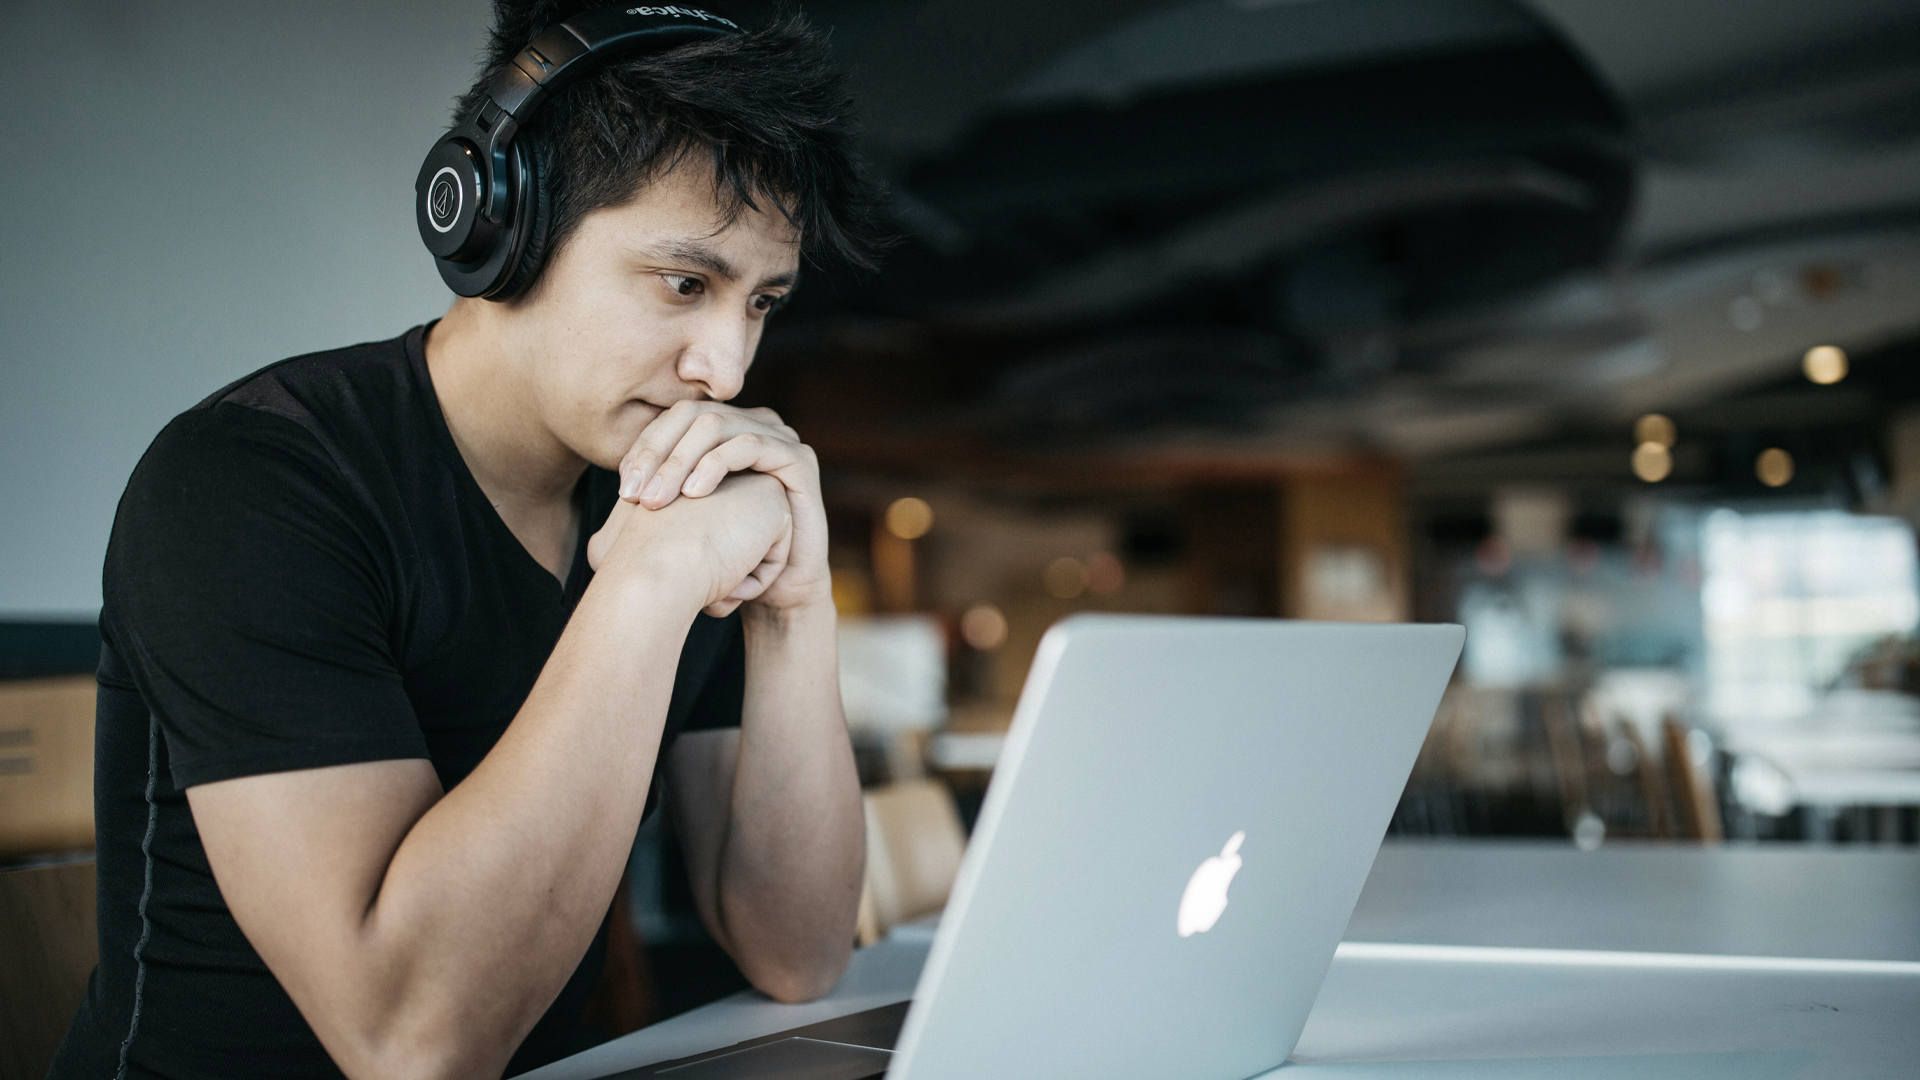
[732, 544]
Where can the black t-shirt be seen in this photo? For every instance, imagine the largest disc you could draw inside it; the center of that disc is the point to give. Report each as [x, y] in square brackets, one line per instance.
[303, 573]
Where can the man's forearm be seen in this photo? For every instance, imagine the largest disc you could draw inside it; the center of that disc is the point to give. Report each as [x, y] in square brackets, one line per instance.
[790, 868]
[438, 955]
[510, 875]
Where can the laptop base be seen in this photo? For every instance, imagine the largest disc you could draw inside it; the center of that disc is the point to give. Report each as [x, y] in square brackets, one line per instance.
[853, 1047]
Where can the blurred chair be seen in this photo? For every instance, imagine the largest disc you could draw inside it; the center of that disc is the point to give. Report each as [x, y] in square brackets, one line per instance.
[1653, 786]
[1608, 770]
[1696, 799]
[46, 766]
[625, 999]
[48, 948]
[1570, 763]
[914, 845]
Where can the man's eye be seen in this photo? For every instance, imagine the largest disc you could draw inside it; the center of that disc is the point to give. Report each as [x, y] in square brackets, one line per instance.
[684, 285]
[767, 302]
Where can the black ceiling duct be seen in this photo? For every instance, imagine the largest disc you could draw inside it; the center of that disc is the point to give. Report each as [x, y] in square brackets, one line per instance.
[1457, 145]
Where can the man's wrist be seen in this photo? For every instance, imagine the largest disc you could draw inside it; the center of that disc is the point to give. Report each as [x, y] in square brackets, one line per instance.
[813, 614]
[649, 585]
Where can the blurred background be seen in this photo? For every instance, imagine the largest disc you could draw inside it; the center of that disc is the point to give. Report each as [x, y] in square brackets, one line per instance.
[1590, 324]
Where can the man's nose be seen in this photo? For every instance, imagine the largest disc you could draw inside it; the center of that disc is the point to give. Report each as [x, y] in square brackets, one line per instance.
[717, 358]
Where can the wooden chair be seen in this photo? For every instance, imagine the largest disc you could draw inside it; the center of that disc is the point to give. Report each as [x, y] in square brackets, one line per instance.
[914, 845]
[1653, 785]
[1666, 794]
[626, 998]
[46, 766]
[1569, 754]
[48, 948]
[1696, 799]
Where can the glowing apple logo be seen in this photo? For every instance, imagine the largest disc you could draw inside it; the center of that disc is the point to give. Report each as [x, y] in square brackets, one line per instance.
[1206, 895]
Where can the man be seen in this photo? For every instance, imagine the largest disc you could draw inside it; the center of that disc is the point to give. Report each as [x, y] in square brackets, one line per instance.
[399, 640]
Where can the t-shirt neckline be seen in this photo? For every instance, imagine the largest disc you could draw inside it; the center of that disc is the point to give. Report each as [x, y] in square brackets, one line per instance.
[416, 349]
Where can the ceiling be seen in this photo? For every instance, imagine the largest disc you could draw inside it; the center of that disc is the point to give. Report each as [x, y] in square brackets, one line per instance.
[1436, 228]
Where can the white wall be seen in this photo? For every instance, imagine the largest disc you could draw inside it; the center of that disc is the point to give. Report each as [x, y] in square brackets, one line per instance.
[190, 190]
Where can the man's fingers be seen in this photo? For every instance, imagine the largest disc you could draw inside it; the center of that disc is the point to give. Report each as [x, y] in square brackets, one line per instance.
[709, 430]
[654, 442]
[751, 451]
[657, 469]
[759, 581]
[769, 570]
[772, 419]
[667, 450]
[753, 584]
[609, 531]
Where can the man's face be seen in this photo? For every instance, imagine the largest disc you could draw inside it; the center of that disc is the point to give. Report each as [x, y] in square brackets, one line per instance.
[648, 304]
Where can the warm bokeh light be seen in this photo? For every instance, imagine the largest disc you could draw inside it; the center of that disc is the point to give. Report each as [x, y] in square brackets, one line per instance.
[984, 627]
[909, 518]
[1774, 467]
[1105, 575]
[1654, 428]
[1652, 462]
[1066, 578]
[1825, 364]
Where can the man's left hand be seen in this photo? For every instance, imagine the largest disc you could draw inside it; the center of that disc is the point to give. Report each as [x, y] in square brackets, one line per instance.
[691, 447]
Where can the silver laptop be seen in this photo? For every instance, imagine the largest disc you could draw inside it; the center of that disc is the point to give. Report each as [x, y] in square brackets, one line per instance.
[1173, 841]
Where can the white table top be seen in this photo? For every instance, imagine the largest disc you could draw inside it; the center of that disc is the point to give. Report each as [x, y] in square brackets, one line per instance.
[1668, 975]
[1392, 1018]
[1849, 902]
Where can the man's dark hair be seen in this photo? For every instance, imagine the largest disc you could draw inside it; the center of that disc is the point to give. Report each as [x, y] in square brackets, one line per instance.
[767, 110]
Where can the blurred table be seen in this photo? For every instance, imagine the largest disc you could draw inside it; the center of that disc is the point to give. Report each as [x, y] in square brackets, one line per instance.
[1838, 765]
[1855, 787]
[1518, 961]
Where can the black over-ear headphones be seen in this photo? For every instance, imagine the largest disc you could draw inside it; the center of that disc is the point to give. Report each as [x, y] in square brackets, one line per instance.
[480, 199]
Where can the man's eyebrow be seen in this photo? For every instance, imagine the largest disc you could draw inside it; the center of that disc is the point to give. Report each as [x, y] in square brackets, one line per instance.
[694, 256]
[698, 256]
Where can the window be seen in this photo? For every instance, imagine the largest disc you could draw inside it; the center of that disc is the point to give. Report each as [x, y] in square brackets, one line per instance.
[1789, 598]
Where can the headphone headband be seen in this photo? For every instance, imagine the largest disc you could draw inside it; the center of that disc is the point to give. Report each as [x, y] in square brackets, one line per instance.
[562, 53]
[479, 200]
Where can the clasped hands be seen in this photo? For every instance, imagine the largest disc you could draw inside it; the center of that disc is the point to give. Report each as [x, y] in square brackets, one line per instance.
[741, 486]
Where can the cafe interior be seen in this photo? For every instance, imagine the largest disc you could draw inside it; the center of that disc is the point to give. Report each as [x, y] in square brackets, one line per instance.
[1590, 325]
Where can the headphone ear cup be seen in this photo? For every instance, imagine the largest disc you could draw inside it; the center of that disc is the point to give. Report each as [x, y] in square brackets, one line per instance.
[524, 267]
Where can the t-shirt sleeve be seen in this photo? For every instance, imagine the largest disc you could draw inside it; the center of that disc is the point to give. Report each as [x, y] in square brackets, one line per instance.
[246, 589]
[723, 693]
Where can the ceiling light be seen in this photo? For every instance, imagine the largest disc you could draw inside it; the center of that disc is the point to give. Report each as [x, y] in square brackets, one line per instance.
[1654, 428]
[1652, 462]
[1774, 467]
[1825, 364]
[909, 518]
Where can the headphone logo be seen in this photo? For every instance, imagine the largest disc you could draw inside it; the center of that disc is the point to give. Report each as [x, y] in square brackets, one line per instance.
[444, 198]
[679, 12]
